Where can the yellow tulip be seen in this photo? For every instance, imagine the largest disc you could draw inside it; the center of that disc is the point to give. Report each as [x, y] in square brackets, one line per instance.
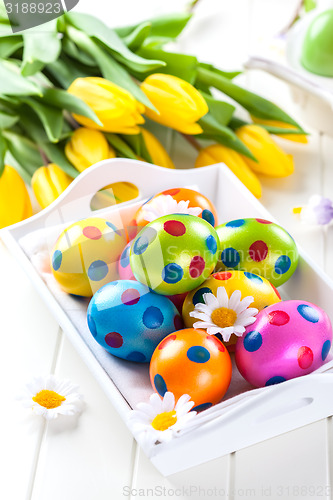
[179, 104]
[157, 152]
[15, 204]
[301, 138]
[48, 183]
[272, 161]
[116, 108]
[87, 147]
[221, 154]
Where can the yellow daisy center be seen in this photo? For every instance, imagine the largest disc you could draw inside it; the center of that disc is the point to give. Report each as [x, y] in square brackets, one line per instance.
[223, 317]
[163, 421]
[48, 399]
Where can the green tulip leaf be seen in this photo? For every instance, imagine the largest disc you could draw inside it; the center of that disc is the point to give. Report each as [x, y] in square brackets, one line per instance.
[221, 111]
[283, 131]
[12, 83]
[9, 45]
[138, 145]
[254, 104]
[64, 71]
[135, 39]
[170, 25]
[42, 45]
[24, 151]
[109, 67]
[32, 126]
[121, 147]
[96, 29]
[181, 65]
[230, 141]
[7, 120]
[236, 123]
[56, 155]
[74, 52]
[211, 126]
[3, 150]
[226, 74]
[167, 27]
[51, 117]
[63, 100]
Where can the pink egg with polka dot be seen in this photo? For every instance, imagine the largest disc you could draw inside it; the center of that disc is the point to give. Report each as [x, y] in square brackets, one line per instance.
[288, 339]
[124, 266]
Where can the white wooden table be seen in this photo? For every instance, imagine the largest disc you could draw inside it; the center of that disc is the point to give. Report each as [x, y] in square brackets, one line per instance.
[95, 457]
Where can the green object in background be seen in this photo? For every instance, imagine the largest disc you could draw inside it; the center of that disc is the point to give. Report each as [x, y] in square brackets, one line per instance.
[317, 50]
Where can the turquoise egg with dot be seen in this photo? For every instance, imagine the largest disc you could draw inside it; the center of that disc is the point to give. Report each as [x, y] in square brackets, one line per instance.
[257, 246]
[174, 254]
[128, 320]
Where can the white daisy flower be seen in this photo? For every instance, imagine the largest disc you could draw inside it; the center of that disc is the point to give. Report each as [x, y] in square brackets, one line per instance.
[223, 315]
[166, 205]
[160, 420]
[50, 397]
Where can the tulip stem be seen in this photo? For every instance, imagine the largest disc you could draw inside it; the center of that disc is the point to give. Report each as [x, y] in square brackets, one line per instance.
[192, 141]
[46, 161]
[192, 5]
[73, 123]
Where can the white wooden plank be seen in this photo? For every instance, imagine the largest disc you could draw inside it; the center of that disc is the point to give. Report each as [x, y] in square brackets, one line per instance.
[28, 342]
[85, 457]
[327, 151]
[293, 465]
[207, 480]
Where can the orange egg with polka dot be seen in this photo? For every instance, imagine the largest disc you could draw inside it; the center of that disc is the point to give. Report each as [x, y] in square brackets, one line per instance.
[177, 201]
[191, 362]
[86, 254]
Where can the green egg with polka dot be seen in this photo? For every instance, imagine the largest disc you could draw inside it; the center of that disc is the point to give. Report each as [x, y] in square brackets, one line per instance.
[257, 246]
[175, 253]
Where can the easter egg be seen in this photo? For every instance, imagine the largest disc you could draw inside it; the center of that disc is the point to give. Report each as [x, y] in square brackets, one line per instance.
[129, 320]
[174, 254]
[124, 267]
[191, 362]
[176, 201]
[317, 54]
[262, 291]
[85, 255]
[259, 247]
[287, 340]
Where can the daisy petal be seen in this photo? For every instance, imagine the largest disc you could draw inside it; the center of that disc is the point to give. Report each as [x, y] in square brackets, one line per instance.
[222, 297]
[202, 316]
[211, 301]
[168, 402]
[235, 299]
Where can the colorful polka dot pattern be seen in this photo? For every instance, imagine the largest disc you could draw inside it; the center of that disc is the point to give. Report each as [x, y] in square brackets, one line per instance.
[85, 256]
[124, 265]
[288, 339]
[249, 284]
[194, 199]
[191, 362]
[257, 246]
[174, 253]
[129, 320]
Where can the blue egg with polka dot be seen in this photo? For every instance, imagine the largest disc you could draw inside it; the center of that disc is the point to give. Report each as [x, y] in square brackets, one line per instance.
[129, 320]
[259, 248]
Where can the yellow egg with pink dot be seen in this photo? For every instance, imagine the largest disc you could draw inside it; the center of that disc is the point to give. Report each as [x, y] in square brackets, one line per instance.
[249, 284]
[86, 254]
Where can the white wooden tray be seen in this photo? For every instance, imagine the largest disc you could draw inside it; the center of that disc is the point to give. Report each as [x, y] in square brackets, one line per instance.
[241, 421]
